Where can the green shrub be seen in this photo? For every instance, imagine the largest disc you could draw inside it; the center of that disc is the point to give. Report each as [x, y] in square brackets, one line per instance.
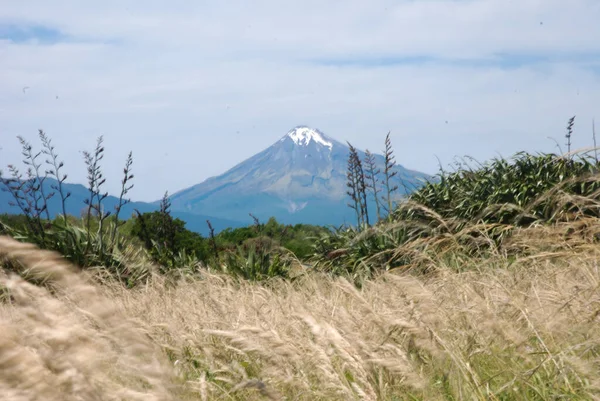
[166, 239]
[526, 189]
[89, 242]
[469, 211]
[256, 259]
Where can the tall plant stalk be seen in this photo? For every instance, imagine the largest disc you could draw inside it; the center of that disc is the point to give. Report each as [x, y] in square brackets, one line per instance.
[357, 187]
[569, 134]
[372, 180]
[389, 174]
[125, 188]
[54, 171]
[35, 179]
[94, 202]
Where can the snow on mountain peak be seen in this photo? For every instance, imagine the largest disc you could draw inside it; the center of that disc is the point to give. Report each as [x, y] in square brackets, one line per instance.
[303, 135]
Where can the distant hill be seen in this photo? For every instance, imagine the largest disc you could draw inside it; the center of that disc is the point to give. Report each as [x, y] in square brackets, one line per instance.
[301, 178]
[75, 205]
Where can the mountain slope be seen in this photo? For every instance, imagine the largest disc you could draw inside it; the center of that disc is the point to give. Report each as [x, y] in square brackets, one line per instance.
[299, 179]
[75, 205]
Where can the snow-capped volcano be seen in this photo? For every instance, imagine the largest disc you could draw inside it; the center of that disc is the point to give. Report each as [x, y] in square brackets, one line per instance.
[303, 135]
[301, 178]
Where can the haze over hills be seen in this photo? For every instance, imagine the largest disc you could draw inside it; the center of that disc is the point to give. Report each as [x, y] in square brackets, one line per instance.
[301, 178]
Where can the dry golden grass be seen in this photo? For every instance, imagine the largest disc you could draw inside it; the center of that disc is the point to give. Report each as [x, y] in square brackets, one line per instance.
[522, 328]
[67, 341]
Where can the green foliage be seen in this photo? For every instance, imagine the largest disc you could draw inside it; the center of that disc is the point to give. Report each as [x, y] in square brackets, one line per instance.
[298, 238]
[256, 259]
[89, 242]
[358, 255]
[470, 211]
[510, 192]
[167, 241]
[121, 259]
[12, 221]
[256, 252]
[264, 251]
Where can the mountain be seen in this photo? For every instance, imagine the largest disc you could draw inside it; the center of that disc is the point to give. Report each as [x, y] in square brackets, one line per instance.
[75, 205]
[301, 178]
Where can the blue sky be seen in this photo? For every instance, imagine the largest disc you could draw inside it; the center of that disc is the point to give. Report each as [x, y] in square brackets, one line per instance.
[27, 33]
[193, 88]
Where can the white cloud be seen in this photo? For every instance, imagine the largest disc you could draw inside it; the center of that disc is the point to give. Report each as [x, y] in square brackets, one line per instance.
[193, 89]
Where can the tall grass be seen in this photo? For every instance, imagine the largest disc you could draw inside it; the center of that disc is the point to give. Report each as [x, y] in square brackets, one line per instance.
[500, 328]
[67, 341]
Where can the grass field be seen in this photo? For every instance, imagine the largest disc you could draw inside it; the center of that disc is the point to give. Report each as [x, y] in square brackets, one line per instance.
[500, 327]
[483, 285]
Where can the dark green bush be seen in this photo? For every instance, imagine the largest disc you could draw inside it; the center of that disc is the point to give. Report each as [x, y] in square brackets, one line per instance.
[519, 191]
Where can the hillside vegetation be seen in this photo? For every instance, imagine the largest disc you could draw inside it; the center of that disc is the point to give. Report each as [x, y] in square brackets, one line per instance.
[483, 284]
